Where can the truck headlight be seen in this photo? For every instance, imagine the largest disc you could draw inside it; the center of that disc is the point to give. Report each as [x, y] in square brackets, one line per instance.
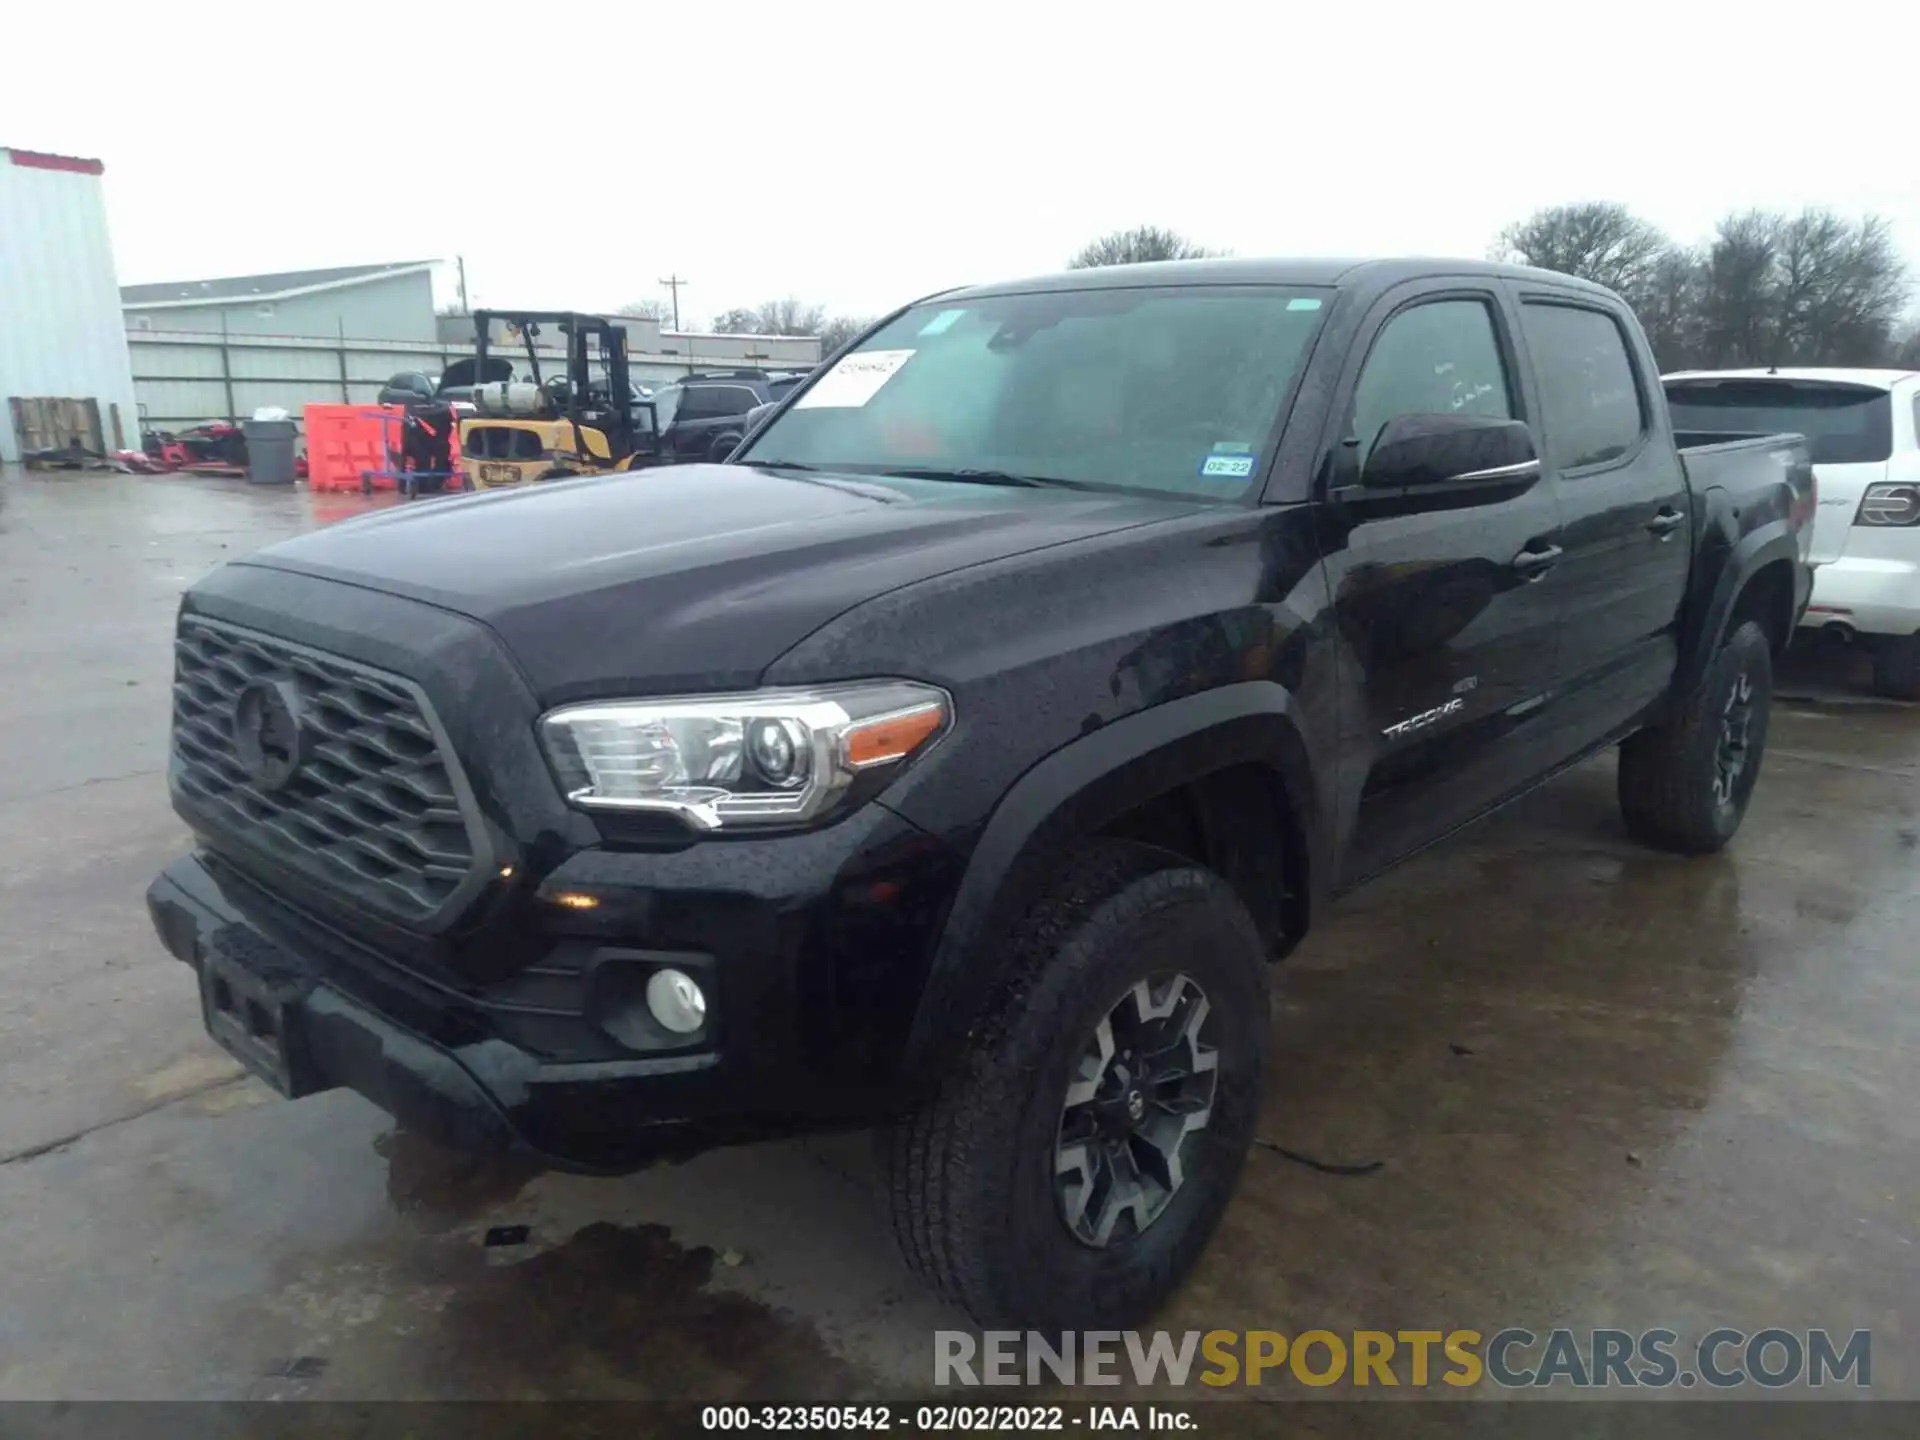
[771, 757]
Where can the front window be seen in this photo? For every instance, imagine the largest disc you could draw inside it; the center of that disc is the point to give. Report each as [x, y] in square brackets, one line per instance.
[666, 404]
[1174, 389]
[1844, 424]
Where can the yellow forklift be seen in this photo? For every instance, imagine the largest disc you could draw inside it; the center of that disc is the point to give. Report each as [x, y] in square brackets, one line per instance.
[584, 421]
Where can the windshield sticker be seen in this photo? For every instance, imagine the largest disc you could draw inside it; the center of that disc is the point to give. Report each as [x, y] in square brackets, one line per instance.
[1303, 302]
[941, 323]
[854, 381]
[1230, 467]
[1233, 447]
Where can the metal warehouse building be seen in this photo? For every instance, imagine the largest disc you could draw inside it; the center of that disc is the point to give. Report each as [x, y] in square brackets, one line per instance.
[64, 373]
[359, 302]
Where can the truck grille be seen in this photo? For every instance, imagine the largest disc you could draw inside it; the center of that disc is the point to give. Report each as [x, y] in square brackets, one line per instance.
[371, 812]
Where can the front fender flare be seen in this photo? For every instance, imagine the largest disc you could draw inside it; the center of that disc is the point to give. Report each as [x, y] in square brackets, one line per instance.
[1076, 791]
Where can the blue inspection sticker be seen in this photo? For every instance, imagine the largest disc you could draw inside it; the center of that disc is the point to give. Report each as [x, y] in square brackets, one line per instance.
[941, 323]
[1228, 467]
[1303, 302]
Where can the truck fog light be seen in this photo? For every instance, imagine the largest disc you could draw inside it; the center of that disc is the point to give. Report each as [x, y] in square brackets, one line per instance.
[676, 1002]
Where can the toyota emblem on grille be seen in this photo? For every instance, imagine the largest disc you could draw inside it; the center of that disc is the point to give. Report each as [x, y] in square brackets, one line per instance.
[267, 734]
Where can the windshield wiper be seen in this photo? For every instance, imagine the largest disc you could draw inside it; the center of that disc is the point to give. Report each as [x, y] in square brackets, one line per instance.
[988, 477]
[780, 464]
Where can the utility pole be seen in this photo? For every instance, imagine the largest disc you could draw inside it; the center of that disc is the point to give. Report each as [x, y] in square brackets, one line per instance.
[461, 262]
[673, 283]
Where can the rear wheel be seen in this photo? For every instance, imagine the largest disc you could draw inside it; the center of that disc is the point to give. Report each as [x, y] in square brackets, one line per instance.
[1685, 783]
[721, 448]
[1072, 1168]
[1896, 667]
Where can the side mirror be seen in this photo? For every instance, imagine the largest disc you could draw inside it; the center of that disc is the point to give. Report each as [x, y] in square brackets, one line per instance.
[1443, 449]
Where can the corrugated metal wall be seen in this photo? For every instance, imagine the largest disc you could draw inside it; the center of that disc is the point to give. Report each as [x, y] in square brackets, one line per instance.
[62, 333]
[182, 378]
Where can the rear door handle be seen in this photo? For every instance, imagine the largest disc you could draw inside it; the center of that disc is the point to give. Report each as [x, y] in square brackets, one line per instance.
[1535, 563]
[1665, 523]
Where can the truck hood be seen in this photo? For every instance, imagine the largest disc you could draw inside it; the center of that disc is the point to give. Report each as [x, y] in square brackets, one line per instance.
[687, 578]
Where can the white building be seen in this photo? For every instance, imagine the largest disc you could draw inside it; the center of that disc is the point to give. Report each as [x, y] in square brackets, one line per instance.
[393, 301]
[64, 373]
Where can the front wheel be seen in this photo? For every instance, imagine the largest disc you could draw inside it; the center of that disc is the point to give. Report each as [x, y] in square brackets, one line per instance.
[1072, 1168]
[1685, 783]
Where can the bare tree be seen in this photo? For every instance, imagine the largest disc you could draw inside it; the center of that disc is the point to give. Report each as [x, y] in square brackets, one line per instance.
[1738, 283]
[839, 330]
[737, 322]
[773, 317]
[1905, 349]
[1599, 240]
[652, 309]
[1132, 247]
[1840, 291]
[1808, 289]
[1669, 308]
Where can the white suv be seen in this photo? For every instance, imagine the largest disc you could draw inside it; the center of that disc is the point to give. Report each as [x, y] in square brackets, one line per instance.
[1863, 427]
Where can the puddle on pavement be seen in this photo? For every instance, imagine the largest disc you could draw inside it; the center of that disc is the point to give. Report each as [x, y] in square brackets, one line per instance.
[612, 1312]
[609, 1311]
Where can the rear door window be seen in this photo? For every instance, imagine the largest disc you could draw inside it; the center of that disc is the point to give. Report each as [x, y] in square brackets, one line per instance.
[1589, 396]
[701, 402]
[1844, 424]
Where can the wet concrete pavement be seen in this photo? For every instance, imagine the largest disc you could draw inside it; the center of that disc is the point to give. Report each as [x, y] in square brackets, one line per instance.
[1609, 1087]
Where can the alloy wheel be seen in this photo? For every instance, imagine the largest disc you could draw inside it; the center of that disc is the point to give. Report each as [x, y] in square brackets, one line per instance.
[1140, 1096]
[1733, 752]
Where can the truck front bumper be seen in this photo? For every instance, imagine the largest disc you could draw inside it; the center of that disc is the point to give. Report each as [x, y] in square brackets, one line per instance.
[791, 1048]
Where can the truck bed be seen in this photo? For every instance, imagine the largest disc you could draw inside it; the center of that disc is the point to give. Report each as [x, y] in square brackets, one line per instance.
[1745, 462]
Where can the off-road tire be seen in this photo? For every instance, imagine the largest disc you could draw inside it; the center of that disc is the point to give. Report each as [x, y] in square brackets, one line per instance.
[1896, 667]
[969, 1178]
[1668, 771]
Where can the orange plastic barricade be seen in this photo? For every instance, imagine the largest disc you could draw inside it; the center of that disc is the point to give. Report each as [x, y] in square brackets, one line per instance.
[348, 442]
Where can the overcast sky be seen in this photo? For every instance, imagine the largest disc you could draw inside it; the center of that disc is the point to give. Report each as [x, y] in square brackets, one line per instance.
[859, 155]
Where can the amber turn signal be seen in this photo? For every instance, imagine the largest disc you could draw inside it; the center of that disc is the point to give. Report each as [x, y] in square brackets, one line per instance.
[893, 737]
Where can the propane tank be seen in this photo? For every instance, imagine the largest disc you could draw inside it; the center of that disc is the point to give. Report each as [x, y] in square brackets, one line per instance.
[508, 397]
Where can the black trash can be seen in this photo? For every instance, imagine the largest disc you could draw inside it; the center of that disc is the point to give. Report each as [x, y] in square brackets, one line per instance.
[270, 445]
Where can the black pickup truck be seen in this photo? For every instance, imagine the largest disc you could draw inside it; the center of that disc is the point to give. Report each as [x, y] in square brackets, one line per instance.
[955, 760]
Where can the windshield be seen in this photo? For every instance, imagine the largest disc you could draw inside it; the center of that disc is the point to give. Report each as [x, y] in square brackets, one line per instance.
[1173, 389]
[1844, 424]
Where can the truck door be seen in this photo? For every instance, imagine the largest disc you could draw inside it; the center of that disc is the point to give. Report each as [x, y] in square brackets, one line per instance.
[1624, 511]
[1442, 600]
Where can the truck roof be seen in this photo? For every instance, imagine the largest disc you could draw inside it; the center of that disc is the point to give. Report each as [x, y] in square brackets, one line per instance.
[1839, 375]
[1348, 273]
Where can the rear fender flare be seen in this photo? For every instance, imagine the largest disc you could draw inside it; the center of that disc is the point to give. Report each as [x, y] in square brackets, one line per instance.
[1075, 792]
[1749, 555]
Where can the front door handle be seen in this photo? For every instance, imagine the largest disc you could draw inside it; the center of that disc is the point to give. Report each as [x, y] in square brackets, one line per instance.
[1665, 523]
[1535, 563]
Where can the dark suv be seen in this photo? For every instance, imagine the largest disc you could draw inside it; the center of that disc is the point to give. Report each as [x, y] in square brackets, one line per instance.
[703, 416]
